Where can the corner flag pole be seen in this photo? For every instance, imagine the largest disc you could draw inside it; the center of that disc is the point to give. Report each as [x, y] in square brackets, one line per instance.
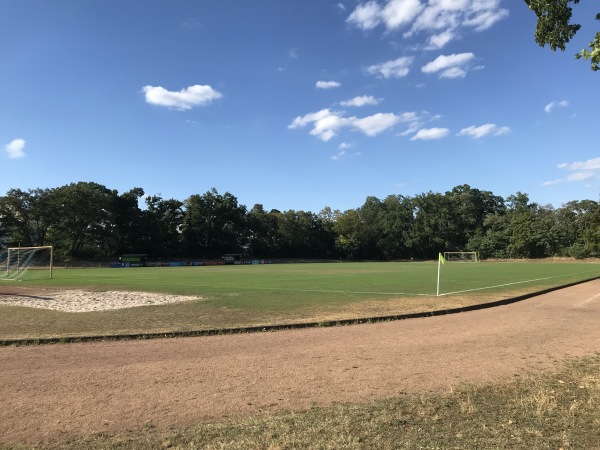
[441, 260]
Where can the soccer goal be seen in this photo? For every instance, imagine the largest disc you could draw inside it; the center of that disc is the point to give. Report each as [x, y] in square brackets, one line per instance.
[461, 256]
[19, 263]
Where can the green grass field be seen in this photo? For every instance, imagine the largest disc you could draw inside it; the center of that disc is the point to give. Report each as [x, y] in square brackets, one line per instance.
[260, 295]
[254, 295]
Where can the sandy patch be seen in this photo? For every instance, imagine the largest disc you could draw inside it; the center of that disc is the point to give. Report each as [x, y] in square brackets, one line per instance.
[85, 301]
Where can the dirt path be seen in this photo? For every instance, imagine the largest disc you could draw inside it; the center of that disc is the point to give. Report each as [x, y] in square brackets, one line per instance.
[49, 392]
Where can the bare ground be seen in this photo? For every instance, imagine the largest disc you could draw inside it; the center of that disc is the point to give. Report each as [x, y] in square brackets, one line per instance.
[53, 392]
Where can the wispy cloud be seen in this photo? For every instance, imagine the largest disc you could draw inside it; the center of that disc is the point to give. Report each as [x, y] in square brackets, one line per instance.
[441, 20]
[14, 149]
[326, 124]
[197, 95]
[360, 101]
[396, 68]
[449, 66]
[328, 84]
[343, 147]
[428, 134]
[580, 171]
[555, 104]
[489, 129]
[191, 23]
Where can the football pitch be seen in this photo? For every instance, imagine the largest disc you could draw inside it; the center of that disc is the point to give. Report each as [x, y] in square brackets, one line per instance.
[311, 280]
[273, 294]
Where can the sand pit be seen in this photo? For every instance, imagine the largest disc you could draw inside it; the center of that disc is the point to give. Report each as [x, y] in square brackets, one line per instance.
[85, 301]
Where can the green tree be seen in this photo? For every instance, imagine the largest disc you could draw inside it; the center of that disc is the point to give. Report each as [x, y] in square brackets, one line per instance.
[263, 229]
[578, 228]
[163, 220]
[529, 229]
[347, 230]
[127, 224]
[27, 216]
[85, 225]
[370, 214]
[301, 234]
[554, 28]
[470, 207]
[494, 241]
[214, 224]
[396, 223]
[434, 227]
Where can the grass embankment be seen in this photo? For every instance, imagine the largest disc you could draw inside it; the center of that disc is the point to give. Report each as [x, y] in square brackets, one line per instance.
[557, 410]
[243, 296]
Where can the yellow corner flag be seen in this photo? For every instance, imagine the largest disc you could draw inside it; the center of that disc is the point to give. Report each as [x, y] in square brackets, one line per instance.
[442, 259]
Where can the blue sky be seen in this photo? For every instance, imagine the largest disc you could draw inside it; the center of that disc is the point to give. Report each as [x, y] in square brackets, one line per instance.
[296, 104]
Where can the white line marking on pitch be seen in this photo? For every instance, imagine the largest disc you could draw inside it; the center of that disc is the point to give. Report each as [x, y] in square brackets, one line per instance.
[511, 284]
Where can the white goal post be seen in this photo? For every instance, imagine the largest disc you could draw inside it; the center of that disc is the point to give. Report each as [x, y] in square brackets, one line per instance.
[461, 256]
[17, 263]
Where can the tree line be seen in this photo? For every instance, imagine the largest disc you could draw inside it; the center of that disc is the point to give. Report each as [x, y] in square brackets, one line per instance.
[89, 220]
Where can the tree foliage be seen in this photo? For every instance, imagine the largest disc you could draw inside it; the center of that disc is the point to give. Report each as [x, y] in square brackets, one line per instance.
[555, 29]
[89, 220]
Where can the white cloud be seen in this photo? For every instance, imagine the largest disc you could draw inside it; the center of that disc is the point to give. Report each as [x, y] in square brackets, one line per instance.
[326, 124]
[360, 101]
[451, 66]
[590, 164]
[327, 84]
[366, 15]
[197, 95]
[581, 171]
[392, 69]
[580, 176]
[427, 134]
[550, 106]
[489, 129]
[400, 12]
[454, 72]
[437, 41]
[377, 123]
[14, 148]
[484, 19]
[441, 20]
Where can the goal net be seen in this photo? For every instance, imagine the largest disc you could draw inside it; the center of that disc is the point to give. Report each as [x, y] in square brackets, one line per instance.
[461, 256]
[26, 263]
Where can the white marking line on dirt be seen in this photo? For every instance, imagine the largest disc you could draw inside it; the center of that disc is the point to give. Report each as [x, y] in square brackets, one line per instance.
[511, 284]
[589, 300]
